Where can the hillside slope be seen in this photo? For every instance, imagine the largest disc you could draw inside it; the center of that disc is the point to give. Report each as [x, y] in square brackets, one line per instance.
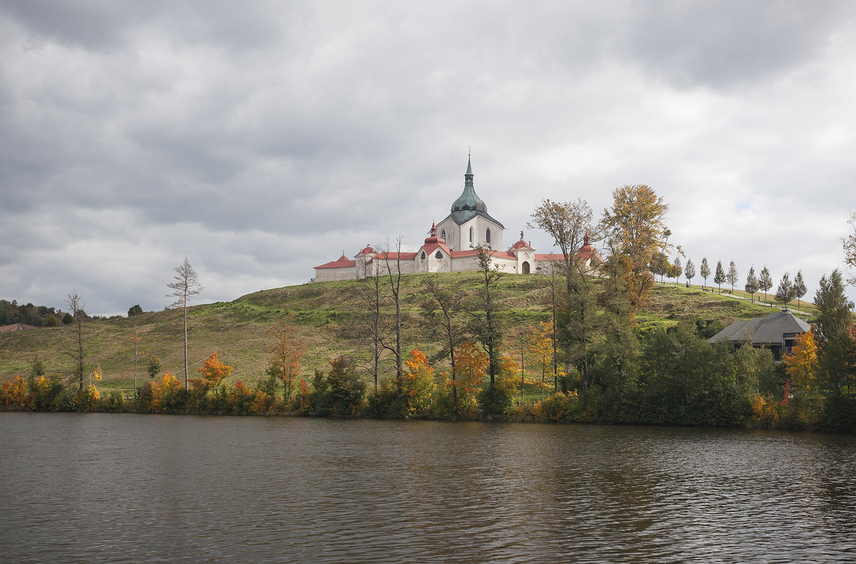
[328, 316]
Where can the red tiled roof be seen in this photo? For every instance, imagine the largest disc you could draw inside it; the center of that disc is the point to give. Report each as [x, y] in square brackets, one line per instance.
[342, 262]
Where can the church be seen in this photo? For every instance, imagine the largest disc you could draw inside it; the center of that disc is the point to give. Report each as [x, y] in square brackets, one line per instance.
[453, 246]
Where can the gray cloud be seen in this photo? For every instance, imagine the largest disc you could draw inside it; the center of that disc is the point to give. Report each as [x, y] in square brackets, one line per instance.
[263, 140]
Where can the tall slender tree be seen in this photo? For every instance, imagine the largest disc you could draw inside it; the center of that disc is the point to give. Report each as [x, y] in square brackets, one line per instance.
[849, 243]
[799, 287]
[833, 333]
[394, 276]
[719, 277]
[752, 283]
[785, 291]
[765, 281]
[704, 271]
[676, 269]
[732, 275]
[76, 305]
[689, 271]
[186, 286]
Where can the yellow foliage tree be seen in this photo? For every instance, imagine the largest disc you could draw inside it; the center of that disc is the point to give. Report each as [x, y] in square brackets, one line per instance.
[287, 350]
[416, 384]
[541, 349]
[471, 369]
[636, 229]
[802, 363]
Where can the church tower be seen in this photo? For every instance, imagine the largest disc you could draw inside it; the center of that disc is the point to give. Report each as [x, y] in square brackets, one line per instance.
[469, 225]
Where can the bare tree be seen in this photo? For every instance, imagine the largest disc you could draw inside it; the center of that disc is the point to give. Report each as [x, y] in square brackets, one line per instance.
[394, 286]
[373, 297]
[186, 286]
[76, 305]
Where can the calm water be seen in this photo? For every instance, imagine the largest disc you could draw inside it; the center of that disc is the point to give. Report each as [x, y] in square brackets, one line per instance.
[126, 488]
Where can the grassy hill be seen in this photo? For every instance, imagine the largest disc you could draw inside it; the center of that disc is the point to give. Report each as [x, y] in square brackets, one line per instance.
[328, 317]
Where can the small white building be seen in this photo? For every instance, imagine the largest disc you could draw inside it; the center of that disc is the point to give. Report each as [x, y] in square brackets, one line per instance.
[467, 228]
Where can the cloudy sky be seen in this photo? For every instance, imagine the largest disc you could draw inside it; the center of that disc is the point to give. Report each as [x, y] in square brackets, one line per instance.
[260, 139]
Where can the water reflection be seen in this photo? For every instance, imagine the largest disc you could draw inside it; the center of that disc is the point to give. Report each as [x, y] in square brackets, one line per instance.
[119, 488]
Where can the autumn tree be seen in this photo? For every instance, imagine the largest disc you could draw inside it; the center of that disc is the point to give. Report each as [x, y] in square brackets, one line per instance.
[801, 364]
[472, 370]
[799, 287]
[689, 271]
[635, 224]
[732, 275]
[719, 275]
[443, 308]
[213, 372]
[765, 281]
[76, 305]
[416, 384]
[704, 271]
[785, 291]
[570, 224]
[486, 324]
[752, 285]
[186, 286]
[541, 349]
[287, 349]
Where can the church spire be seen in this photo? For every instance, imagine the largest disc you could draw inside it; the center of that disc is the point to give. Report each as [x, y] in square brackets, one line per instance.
[468, 176]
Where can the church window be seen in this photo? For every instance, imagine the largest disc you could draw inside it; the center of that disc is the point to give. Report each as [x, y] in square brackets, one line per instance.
[443, 235]
[487, 236]
[471, 235]
[423, 255]
[439, 255]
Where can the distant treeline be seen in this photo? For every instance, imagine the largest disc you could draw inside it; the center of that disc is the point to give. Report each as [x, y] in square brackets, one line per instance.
[38, 316]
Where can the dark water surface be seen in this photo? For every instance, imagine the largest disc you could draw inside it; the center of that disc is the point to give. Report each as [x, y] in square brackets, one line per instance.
[128, 488]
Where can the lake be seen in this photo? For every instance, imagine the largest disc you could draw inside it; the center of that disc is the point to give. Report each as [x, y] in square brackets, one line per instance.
[150, 488]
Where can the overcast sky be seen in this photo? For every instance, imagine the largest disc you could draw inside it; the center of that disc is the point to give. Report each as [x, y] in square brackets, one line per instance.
[260, 139]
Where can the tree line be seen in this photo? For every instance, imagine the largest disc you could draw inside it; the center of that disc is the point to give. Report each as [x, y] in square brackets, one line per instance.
[589, 362]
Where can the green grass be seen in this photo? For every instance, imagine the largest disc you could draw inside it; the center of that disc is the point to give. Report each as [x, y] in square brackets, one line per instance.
[326, 316]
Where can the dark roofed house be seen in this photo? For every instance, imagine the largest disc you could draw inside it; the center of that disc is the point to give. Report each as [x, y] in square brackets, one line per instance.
[777, 332]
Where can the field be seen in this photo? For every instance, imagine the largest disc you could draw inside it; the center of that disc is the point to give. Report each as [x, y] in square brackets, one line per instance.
[328, 317]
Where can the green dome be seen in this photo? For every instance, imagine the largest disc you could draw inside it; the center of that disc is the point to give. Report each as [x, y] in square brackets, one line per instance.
[468, 203]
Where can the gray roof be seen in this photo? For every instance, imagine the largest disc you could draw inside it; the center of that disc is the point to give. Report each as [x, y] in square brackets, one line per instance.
[468, 205]
[763, 330]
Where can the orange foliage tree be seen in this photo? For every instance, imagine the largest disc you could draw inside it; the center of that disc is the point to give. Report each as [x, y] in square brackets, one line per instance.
[287, 350]
[802, 363]
[213, 372]
[416, 384]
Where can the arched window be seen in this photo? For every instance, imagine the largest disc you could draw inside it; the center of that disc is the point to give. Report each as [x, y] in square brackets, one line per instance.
[487, 236]
[443, 234]
[439, 255]
[423, 255]
[471, 235]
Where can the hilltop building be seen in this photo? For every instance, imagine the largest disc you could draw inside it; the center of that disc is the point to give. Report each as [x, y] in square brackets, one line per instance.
[455, 249]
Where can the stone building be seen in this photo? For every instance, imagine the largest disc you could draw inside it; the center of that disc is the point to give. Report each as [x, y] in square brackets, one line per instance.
[453, 246]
